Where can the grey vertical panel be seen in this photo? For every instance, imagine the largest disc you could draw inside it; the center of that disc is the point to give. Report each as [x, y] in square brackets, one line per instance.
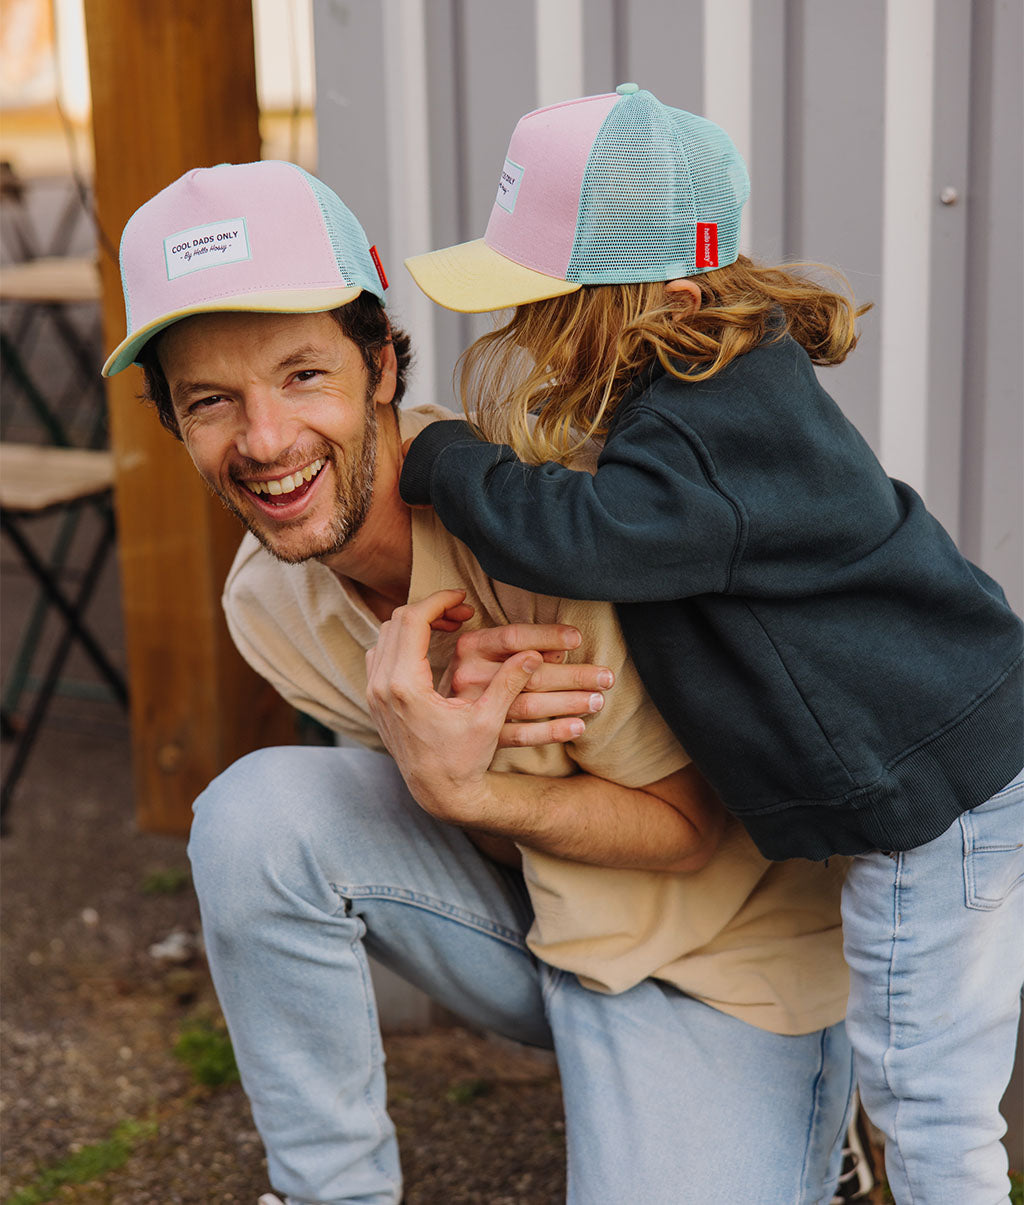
[950, 104]
[348, 38]
[500, 73]
[794, 136]
[993, 495]
[602, 46]
[665, 50]
[835, 104]
[766, 236]
[449, 223]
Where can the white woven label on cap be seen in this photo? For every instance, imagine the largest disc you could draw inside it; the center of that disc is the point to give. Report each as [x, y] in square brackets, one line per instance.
[206, 247]
[508, 185]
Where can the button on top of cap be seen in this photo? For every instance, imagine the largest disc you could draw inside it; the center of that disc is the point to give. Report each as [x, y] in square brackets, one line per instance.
[627, 89]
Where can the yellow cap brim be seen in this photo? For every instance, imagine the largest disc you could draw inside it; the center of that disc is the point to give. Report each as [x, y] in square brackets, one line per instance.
[471, 278]
[289, 301]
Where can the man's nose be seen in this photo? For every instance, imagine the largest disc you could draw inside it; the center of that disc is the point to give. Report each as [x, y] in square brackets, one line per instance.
[268, 427]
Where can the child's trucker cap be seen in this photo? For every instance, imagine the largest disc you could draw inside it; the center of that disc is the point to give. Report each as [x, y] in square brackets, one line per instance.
[241, 236]
[612, 189]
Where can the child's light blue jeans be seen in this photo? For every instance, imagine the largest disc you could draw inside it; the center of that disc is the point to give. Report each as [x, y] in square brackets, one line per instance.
[934, 938]
[306, 859]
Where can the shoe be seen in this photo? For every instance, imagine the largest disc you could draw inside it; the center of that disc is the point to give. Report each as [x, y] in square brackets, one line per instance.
[269, 1198]
[856, 1179]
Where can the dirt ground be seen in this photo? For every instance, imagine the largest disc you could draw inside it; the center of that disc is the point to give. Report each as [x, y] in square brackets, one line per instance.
[91, 1085]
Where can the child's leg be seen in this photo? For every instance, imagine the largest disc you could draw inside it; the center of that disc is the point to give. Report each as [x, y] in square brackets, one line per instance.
[934, 938]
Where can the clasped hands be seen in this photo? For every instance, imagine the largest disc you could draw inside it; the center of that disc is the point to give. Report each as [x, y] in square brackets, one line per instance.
[505, 687]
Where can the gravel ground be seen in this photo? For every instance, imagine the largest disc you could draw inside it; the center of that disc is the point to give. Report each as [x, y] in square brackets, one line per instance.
[91, 1019]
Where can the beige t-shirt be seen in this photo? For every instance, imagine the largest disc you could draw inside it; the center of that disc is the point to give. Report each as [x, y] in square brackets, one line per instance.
[758, 940]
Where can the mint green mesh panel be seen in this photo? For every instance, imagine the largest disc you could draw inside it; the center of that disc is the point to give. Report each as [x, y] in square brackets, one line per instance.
[348, 240]
[652, 175]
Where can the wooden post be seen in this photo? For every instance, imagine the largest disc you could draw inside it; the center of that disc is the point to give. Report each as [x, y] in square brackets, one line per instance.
[173, 87]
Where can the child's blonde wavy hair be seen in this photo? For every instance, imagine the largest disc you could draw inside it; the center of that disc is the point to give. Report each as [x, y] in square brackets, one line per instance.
[550, 378]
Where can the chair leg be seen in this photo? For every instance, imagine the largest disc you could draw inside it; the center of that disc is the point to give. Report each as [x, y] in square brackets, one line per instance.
[20, 666]
[69, 611]
[73, 630]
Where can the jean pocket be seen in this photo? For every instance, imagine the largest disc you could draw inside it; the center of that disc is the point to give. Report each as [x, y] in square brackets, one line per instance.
[994, 848]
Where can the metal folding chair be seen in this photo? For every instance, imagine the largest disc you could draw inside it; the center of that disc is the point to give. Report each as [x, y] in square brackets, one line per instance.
[36, 481]
[38, 294]
[54, 397]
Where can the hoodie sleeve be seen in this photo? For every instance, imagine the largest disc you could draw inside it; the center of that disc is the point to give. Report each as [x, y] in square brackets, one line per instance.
[651, 523]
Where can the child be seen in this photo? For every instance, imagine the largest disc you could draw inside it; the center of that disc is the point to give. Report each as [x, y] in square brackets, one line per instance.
[847, 681]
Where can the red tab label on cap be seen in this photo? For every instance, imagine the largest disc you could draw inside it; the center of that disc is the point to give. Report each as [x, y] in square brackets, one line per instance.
[379, 266]
[707, 244]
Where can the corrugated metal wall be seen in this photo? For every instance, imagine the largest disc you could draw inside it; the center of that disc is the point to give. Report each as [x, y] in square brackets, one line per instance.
[884, 138]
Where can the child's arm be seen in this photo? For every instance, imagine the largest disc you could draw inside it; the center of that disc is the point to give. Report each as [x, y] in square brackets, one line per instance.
[649, 524]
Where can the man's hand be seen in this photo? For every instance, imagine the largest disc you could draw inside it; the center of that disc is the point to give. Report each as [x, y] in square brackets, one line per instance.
[442, 746]
[556, 694]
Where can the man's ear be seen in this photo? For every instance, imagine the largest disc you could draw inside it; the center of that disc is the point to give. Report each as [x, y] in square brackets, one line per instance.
[682, 287]
[388, 382]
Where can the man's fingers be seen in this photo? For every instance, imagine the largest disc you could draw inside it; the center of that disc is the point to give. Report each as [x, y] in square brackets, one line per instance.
[434, 605]
[470, 678]
[407, 632]
[571, 677]
[507, 683]
[453, 618]
[551, 732]
[399, 660]
[498, 643]
[547, 705]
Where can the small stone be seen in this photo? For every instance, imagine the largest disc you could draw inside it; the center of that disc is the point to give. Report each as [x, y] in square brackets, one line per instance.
[177, 946]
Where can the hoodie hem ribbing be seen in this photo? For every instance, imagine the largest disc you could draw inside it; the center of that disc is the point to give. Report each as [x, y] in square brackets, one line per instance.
[922, 795]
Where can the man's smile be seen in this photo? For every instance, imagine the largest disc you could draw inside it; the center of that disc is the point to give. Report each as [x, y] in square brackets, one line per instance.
[289, 488]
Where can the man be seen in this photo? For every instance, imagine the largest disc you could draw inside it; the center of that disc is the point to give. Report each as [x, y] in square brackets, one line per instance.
[569, 883]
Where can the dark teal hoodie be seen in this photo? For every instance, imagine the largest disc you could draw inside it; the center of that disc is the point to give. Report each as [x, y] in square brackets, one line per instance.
[842, 676]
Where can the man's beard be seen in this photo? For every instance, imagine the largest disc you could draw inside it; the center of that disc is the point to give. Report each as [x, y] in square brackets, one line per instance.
[353, 494]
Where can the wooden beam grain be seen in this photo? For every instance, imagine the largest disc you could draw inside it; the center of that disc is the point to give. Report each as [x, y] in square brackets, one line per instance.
[173, 88]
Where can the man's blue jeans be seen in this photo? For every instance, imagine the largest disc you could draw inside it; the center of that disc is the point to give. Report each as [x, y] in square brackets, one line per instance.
[305, 860]
[934, 938]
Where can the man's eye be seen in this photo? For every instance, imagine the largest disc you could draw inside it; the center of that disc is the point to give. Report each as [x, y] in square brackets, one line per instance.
[307, 374]
[204, 403]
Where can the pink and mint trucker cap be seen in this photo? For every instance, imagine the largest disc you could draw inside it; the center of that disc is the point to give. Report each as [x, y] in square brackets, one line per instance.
[262, 236]
[611, 189]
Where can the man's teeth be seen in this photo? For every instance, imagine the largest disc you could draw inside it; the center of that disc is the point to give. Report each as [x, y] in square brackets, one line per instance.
[285, 485]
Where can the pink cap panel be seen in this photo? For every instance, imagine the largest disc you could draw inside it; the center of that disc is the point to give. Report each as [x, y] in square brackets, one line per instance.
[533, 222]
[197, 242]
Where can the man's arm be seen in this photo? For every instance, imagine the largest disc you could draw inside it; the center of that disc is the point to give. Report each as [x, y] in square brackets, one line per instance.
[444, 747]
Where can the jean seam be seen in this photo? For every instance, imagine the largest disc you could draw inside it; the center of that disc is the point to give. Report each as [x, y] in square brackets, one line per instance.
[812, 1118]
[426, 903]
[887, 1057]
[373, 1023]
